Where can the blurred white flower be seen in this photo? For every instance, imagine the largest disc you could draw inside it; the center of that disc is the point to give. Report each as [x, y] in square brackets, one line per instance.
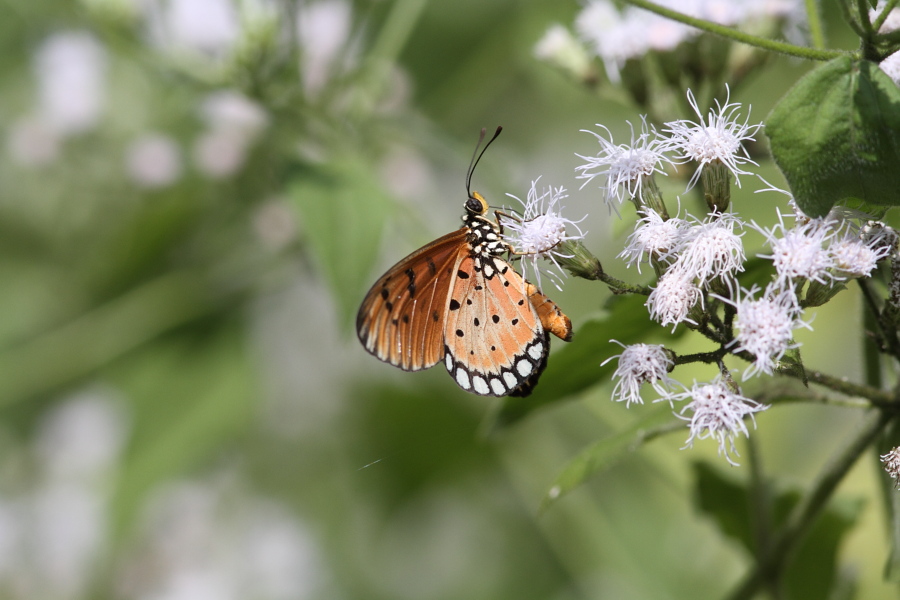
[639, 364]
[654, 239]
[229, 110]
[612, 37]
[208, 27]
[323, 29]
[70, 68]
[717, 413]
[218, 154]
[624, 167]
[153, 161]
[542, 230]
[33, 142]
[891, 66]
[67, 530]
[717, 140]
[82, 438]
[275, 224]
[560, 48]
[212, 540]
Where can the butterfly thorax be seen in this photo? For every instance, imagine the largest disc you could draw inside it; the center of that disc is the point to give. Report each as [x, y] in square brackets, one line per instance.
[484, 243]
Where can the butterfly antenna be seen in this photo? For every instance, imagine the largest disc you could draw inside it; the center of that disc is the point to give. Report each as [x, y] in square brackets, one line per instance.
[476, 157]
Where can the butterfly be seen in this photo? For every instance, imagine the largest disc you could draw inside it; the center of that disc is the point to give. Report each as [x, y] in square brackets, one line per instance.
[457, 300]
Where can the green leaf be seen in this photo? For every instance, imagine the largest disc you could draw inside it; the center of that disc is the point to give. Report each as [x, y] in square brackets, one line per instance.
[604, 453]
[812, 570]
[343, 210]
[836, 136]
[576, 366]
[727, 502]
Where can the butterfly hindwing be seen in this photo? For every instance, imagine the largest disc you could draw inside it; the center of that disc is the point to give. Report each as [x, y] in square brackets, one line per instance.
[495, 342]
[401, 320]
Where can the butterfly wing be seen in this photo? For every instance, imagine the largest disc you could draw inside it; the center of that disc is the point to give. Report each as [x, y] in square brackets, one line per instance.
[495, 341]
[401, 320]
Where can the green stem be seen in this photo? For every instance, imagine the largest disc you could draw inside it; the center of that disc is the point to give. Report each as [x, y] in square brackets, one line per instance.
[96, 338]
[885, 13]
[810, 507]
[739, 36]
[874, 395]
[814, 19]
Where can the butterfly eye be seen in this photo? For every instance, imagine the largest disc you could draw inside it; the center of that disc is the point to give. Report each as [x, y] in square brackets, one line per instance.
[476, 204]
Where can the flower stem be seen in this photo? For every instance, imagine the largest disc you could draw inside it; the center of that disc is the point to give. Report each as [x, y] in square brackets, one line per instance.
[739, 36]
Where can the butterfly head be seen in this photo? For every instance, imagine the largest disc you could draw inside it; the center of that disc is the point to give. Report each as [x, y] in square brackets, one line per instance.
[476, 204]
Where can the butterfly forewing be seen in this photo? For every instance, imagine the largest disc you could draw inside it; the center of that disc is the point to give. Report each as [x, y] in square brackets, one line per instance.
[401, 320]
[496, 344]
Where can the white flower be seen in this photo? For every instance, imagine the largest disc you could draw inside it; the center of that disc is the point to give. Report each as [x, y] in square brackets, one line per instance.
[559, 47]
[891, 66]
[891, 462]
[229, 110]
[219, 154]
[857, 257]
[323, 30]
[718, 413]
[800, 252]
[541, 230]
[639, 364]
[206, 27]
[71, 75]
[673, 298]
[712, 249]
[624, 167]
[32, 142]
[153, 161]
[611, 37]
[654, 238]
[83, 438]
[714, 141]
[765, 327]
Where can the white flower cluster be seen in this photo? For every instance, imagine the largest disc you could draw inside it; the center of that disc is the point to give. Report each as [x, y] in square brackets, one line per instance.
[697, 261]
[617, 36]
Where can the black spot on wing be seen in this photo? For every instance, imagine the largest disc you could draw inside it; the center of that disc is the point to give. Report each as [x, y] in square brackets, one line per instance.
[454, 304]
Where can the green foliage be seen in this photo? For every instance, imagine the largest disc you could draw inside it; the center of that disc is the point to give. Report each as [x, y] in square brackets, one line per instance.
[744, 514]
[344, 210]
[605, 453]
[836, 136]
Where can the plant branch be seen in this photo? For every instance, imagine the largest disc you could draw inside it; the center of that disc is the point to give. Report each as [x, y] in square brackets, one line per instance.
[809, 508]
[739, 36]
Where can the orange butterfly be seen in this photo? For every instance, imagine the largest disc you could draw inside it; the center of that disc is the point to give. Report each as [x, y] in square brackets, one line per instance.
[459, 301]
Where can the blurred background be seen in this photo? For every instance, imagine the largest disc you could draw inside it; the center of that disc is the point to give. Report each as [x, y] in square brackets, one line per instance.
[194, 197]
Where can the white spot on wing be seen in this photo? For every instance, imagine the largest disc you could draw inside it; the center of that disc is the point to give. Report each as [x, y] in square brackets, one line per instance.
[448, 360]
[523, 367]
[536, 351]
[497, 386]
[462, 378]
[480, 385]
[510, 379]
